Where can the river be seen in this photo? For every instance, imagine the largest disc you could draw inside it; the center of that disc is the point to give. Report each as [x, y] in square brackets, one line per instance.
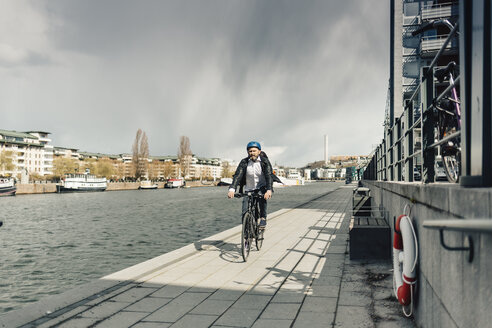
[50, 243]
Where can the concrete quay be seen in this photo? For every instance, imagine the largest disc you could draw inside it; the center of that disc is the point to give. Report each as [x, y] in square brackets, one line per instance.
[302, 277]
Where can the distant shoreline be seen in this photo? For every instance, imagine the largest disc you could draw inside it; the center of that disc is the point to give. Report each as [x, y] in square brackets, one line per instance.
[47, 188]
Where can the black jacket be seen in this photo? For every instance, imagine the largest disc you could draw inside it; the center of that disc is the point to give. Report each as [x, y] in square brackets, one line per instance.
[240, 175]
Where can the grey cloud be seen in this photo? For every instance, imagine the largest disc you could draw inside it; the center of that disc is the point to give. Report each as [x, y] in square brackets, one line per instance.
[221, 72]
[11, 57]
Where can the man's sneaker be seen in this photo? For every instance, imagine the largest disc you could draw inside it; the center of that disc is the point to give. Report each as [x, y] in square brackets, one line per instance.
[262, 224]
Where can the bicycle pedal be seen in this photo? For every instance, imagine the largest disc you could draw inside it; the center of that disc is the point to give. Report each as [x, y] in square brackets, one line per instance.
[260, 238]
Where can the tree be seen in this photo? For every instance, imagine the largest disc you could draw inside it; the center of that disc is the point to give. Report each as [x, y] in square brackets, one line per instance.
[140, 154]
[63, 165]
[226, 170]
[104, 167]
[168, 169]
[184, 155]
[120, 170]
[88, 163]
[6, 163]
[36, 177]
[154, 168]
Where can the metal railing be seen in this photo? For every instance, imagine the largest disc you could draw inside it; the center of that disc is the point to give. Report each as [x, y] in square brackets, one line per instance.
[460, 225]
[435, 11]
[398, 154]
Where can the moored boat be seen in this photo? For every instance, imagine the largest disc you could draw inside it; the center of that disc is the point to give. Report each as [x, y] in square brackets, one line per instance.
[81, 183]
[147, 185]
[7, 186]
[225, 182]
[174, 183]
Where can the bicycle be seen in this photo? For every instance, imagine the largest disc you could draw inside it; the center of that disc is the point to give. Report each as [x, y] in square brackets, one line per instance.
[448, 115]
[447, 112]
[250, 225]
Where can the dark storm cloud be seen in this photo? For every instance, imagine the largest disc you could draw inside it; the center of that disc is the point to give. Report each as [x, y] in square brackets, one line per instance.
[221, 72]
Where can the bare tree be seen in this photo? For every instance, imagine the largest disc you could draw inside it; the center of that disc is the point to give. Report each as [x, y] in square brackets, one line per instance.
[226, 170]
[140, 154]
[184, 155]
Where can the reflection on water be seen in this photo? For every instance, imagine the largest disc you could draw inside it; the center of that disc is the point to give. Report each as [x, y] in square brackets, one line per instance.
[53, 242]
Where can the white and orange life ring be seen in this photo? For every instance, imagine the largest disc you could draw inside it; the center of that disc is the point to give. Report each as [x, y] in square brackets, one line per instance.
[405, 251]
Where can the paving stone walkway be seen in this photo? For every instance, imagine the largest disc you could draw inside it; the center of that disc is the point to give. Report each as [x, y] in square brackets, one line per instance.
[302, 277]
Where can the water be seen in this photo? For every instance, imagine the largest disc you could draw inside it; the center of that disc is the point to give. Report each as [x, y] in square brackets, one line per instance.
[51, 243]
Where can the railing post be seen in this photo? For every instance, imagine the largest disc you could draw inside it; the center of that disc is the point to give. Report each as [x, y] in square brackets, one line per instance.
[408, 139]
[398, 148]
[381, 159]
[426, 97]
[378, 164]
[389, 154]
[476, 73]
[385, 159]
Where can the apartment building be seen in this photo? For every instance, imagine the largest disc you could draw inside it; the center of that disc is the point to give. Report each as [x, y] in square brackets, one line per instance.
[66, 152]
[202, 167]
[28, 151]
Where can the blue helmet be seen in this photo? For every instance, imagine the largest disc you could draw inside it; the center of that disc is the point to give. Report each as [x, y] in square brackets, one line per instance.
[252, 144]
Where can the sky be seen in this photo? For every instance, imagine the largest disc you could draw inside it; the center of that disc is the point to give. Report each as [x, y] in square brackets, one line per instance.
[223, 73]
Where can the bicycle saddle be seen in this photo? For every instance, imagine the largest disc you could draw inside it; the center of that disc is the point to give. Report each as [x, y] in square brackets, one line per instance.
[442, 73]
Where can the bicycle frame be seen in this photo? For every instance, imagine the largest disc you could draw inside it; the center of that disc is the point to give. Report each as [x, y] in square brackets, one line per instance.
[250, 229]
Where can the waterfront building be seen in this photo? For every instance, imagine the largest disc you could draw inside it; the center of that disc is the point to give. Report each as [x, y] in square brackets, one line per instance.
[28, 152]
[293, 174]
[66, 152]
[205, 168]
[164, 167]
[198, 167]
[280, 172]
[307, 174]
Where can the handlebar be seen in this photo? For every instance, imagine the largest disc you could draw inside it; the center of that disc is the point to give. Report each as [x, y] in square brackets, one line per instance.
[254, 193]
[433, 24]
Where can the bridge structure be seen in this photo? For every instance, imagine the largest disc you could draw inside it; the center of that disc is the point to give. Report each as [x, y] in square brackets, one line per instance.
[453, 221]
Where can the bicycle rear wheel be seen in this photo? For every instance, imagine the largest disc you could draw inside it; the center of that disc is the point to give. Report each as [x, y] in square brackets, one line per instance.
[451, 160]
[246, 236]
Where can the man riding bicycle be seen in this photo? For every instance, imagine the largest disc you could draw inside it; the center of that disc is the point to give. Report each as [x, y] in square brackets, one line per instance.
[254, 172]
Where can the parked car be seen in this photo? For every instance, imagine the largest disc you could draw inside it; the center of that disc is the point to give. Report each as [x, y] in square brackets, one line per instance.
[416, 174]
[440, 174]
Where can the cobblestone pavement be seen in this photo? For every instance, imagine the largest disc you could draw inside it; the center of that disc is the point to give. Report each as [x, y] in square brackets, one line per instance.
[302, 277]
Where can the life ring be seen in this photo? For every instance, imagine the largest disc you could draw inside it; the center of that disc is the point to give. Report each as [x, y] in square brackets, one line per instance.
[405, 250]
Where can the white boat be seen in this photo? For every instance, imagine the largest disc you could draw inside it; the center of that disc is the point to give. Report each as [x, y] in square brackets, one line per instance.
[147, 185]
[289, 182]
[82, 183]
[7, 186]
[225, 182]
[174, 183]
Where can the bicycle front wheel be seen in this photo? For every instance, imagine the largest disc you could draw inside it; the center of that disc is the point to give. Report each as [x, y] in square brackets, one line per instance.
[246, 236]
[259, 238]
[452, 164]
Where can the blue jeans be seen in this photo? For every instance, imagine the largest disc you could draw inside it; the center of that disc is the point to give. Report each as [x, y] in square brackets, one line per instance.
[263, 206]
